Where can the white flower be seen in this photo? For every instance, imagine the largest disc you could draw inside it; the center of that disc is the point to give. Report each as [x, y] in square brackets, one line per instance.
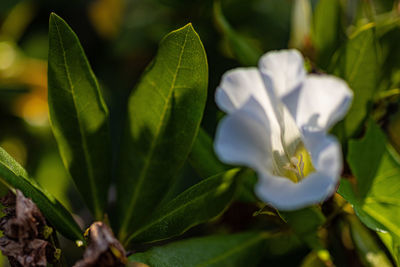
[277, 124]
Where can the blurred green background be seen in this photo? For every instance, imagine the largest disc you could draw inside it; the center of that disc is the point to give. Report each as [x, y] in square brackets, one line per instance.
[120, 38]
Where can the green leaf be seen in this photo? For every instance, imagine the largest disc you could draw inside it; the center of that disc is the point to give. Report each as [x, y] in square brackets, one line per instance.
[200, 203]
[78, 115]
[246, 191]
[305, 223]
[347, 192]
[368, 249]
[387, 22]
[202, 157]
[244, 249]
[358, 65]
[325, 33]
[243, 50]
[376, 194]
[392, 242]
[14, 176]
[164, 114]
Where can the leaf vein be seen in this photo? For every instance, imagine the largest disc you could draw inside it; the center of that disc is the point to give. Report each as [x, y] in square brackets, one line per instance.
[39, 190]
[82, 135]
[232, 251]
[148, 157]
[141, 230]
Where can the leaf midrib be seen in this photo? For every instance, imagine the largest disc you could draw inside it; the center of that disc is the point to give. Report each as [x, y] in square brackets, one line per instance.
[146, 165]
[382, 219]
[357, 64]
[55, 211]
[168, 214]
[93, 190]
[232, 251]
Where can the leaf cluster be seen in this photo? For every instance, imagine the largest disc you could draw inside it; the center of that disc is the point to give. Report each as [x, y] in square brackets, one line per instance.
[136, 190]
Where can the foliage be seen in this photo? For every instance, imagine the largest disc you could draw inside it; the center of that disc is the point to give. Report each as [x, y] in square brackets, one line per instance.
[78, 116]
[137, 141]
[168, 105]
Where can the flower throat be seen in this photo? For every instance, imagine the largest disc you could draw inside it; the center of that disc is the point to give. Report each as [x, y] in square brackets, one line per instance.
[298, 166]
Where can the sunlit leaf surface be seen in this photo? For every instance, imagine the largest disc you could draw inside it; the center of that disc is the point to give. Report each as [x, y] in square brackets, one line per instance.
[376, 194]
[14, 176]
[197, 204]
[78, 115]
[243, 249]
[358, 64]
[164, 115]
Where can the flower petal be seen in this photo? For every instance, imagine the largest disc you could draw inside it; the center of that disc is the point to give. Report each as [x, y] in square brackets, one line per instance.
[325, 152]
[283, 194]
[291, 135]
[320, 102]
[237, 86]
[282, 70]
[234, 93]
[243, 137]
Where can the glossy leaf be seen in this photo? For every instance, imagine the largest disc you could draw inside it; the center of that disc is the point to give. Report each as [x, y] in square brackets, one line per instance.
[78, 116]
[392, 242]
[358, 64]
[243, 249]
[14, 176]
[376, 193]
[164, 114]
[198, 204]
[347, 192]
[367, 247]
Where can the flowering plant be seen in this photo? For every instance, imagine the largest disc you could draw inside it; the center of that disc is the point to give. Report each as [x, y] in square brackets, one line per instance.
[277, 124]
[290, 158]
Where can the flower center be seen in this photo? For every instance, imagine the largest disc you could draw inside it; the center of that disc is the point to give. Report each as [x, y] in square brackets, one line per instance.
[298, 166]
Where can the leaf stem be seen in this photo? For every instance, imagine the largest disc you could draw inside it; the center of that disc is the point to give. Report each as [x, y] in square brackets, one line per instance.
[338, 210]
[388, 94]
[61, 261]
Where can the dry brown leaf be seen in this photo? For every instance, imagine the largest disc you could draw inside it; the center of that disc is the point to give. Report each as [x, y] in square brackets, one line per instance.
[23, 227]
[104, 249]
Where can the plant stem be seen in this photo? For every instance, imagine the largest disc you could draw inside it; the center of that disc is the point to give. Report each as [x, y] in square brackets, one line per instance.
[61, 262]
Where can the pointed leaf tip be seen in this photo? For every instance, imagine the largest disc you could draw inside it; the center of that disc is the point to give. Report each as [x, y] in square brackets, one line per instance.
[54, 16]
[148, 164]
[78, 115]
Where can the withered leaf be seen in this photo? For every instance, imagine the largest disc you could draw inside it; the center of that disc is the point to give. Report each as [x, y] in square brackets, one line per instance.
[23, 225]
[104, 249]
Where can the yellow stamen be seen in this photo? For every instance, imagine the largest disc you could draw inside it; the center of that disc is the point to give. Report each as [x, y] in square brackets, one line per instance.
[299, 166]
